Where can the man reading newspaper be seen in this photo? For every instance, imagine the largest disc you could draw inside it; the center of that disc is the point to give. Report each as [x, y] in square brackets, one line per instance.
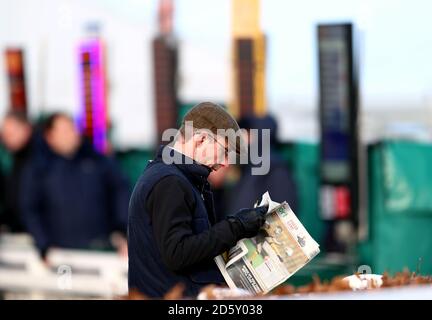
[281, 248]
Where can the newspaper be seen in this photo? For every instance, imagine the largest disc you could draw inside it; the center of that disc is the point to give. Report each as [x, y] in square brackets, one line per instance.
[281, 248]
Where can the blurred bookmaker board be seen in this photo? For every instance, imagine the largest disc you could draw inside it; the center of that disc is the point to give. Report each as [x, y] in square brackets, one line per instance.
[72, 274]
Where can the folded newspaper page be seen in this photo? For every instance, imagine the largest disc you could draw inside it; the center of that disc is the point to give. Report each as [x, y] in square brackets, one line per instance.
[281, 248]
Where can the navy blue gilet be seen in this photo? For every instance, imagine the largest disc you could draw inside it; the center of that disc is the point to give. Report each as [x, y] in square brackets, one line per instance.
[147, 272]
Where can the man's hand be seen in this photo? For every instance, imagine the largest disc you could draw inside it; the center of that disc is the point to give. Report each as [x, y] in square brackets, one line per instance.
[43, 253]
[120, 244]
[251, 220]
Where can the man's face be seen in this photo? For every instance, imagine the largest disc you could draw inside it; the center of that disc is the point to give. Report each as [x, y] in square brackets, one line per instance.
[63, 138]
[15, 134]
[211, 150]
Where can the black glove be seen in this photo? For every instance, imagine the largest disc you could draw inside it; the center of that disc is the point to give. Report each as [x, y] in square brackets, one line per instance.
[251, 220]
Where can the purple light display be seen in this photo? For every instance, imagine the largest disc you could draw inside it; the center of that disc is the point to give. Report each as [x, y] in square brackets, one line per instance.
[93, 115]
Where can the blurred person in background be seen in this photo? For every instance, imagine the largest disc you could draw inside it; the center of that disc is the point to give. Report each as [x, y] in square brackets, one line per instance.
[16, 136]
[279, 181]
[72, 196]
[173, 232]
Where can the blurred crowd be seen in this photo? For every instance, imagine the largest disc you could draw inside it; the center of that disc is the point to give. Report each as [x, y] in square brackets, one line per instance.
[59, 189]
[65, 194]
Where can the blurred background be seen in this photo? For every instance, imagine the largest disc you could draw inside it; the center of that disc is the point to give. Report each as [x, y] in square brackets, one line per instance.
[88, 87]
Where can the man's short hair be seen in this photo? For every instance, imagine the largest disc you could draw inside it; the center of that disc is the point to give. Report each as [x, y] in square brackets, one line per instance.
[49, 121]
[19, 116]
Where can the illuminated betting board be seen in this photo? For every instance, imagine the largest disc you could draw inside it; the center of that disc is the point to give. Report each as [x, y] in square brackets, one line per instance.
[245, 75]
[165, 56]
[93, 117]
[338, 114]
[15, 73]
[249, 59]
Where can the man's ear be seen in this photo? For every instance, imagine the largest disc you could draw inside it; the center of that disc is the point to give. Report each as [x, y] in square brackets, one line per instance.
[200, 137]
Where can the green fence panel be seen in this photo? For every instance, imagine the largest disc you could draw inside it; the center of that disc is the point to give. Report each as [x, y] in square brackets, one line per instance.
[305, 160]
[400, 213]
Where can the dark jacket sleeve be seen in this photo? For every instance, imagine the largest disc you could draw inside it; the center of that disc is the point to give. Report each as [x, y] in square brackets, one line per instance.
[30, 205]
[119, 193]
[171, 205]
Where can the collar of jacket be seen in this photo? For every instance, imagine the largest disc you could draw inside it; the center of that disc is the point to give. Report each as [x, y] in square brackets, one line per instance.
[195, 172]
[85, 150]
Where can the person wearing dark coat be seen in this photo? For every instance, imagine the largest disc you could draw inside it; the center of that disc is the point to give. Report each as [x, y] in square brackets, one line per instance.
[17, 137]
[279, 181]
[173, 232]
[72, 196]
